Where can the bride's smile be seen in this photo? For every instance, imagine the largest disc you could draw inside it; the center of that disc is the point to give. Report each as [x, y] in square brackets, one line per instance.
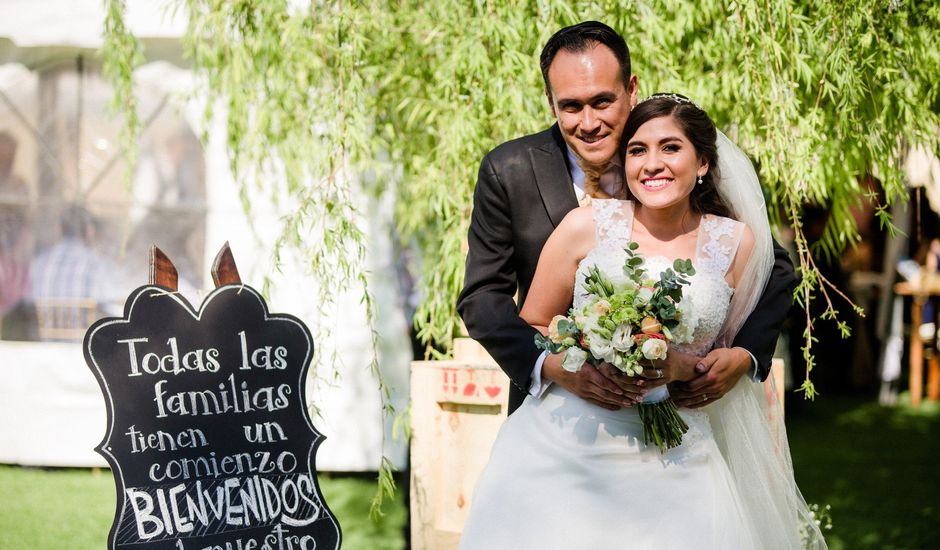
[656, 184]
[662, 165]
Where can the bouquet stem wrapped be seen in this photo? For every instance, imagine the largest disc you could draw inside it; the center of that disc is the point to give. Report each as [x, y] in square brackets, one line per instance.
[662, 424]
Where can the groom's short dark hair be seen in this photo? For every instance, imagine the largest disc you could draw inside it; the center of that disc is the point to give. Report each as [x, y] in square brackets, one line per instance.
[580, 37]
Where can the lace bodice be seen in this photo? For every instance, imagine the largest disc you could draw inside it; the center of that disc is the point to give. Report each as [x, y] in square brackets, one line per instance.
[708, 291]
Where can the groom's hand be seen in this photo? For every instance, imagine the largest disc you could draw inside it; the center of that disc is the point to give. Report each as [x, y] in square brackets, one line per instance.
[591, 384]
[676, 367]
[633, 387]
[718, 372]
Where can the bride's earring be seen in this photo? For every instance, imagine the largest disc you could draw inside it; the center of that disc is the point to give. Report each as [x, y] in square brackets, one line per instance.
[699, 182]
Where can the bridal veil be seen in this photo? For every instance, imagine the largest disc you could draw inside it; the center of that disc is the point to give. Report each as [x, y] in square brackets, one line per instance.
[748, 423]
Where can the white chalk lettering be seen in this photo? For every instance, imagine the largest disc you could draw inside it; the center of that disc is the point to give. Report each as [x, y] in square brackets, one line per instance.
[282, 460]
[165, 441]
[278, 541]
[164, 511]
[244, 346]
[264, 433]
[160, 512]
[237, 544]
[198, 360]
[265, 357]
[258, 462]
[132, 351]
[305, 490]
[211, 402]
[232, 511]
[183, 525]
[142, 504]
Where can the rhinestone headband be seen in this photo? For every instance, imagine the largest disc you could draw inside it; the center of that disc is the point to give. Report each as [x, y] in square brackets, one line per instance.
[676, 98]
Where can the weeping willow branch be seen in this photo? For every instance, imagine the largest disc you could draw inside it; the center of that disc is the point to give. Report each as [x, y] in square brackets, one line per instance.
[284, 82]
[121, 54]
[820, 94]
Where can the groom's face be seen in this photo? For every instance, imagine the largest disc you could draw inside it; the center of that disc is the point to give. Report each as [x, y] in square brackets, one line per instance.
[590, 101]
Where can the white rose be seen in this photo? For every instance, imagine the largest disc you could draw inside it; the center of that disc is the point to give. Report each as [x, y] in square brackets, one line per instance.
[643, 296]
[654, 348]
[601, 348]
[622, 339]
[574, 358]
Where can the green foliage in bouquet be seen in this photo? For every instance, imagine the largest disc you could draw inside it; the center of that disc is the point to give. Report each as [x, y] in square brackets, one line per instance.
[625, 324]
[668, 291]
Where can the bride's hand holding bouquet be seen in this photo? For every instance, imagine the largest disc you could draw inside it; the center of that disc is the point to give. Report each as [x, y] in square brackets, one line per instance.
[626, 326]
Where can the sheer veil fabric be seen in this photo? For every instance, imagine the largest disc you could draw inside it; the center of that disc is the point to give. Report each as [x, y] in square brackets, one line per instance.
[747, 424]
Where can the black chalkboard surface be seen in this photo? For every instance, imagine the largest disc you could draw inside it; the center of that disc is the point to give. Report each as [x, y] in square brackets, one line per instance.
[208, 435]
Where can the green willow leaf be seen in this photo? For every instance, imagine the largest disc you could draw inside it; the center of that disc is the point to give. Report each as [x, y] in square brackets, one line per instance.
[338, 102]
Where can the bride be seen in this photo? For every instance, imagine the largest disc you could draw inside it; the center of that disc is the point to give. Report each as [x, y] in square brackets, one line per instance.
[567, 474]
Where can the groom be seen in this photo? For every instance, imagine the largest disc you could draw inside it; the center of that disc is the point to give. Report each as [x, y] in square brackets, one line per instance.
[524, 189]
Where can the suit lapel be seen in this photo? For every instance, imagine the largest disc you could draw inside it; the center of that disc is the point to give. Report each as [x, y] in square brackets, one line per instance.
[552, 177]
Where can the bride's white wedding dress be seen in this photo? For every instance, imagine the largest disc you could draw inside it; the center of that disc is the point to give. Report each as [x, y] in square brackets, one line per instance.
[566, 474]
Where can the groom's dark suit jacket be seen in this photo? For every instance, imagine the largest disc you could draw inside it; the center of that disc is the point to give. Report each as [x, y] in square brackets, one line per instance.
[523, 192]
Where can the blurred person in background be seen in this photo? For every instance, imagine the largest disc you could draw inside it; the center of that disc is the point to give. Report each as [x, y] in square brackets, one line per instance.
[16, 243]
[72, 284]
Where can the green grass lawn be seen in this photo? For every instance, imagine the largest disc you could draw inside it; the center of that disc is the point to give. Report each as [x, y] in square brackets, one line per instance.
[878, 468]
[72, 508]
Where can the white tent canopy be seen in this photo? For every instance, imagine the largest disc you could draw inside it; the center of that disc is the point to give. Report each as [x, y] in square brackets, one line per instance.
[53, 409]
[80, 23]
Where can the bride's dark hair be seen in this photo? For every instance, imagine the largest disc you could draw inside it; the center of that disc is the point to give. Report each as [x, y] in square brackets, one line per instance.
[700, 131]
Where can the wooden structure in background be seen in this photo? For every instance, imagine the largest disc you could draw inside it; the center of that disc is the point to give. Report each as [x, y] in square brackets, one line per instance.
[920, 293]
[457, 408]
[163, 272]
[65, 319]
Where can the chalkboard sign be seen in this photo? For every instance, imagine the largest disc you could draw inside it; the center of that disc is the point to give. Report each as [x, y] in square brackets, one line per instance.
[208, 435]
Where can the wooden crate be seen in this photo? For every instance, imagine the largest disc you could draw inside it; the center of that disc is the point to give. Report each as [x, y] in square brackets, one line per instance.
[457, 408]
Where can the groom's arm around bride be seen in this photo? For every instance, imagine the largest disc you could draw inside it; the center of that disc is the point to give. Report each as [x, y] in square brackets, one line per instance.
[526, 187]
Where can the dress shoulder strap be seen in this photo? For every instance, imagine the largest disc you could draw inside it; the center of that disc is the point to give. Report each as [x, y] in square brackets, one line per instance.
[613, 222]
[718, 240]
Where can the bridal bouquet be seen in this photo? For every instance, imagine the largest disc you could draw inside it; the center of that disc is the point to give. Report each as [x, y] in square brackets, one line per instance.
[624, 324]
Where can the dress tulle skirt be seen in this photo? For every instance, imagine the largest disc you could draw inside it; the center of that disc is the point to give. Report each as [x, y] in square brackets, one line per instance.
[566, 474]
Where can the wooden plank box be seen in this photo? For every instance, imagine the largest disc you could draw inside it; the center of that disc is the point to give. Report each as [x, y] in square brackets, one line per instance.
[457, 408]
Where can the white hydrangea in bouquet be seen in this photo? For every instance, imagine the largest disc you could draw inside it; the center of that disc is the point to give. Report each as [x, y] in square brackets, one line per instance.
[625, 323]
